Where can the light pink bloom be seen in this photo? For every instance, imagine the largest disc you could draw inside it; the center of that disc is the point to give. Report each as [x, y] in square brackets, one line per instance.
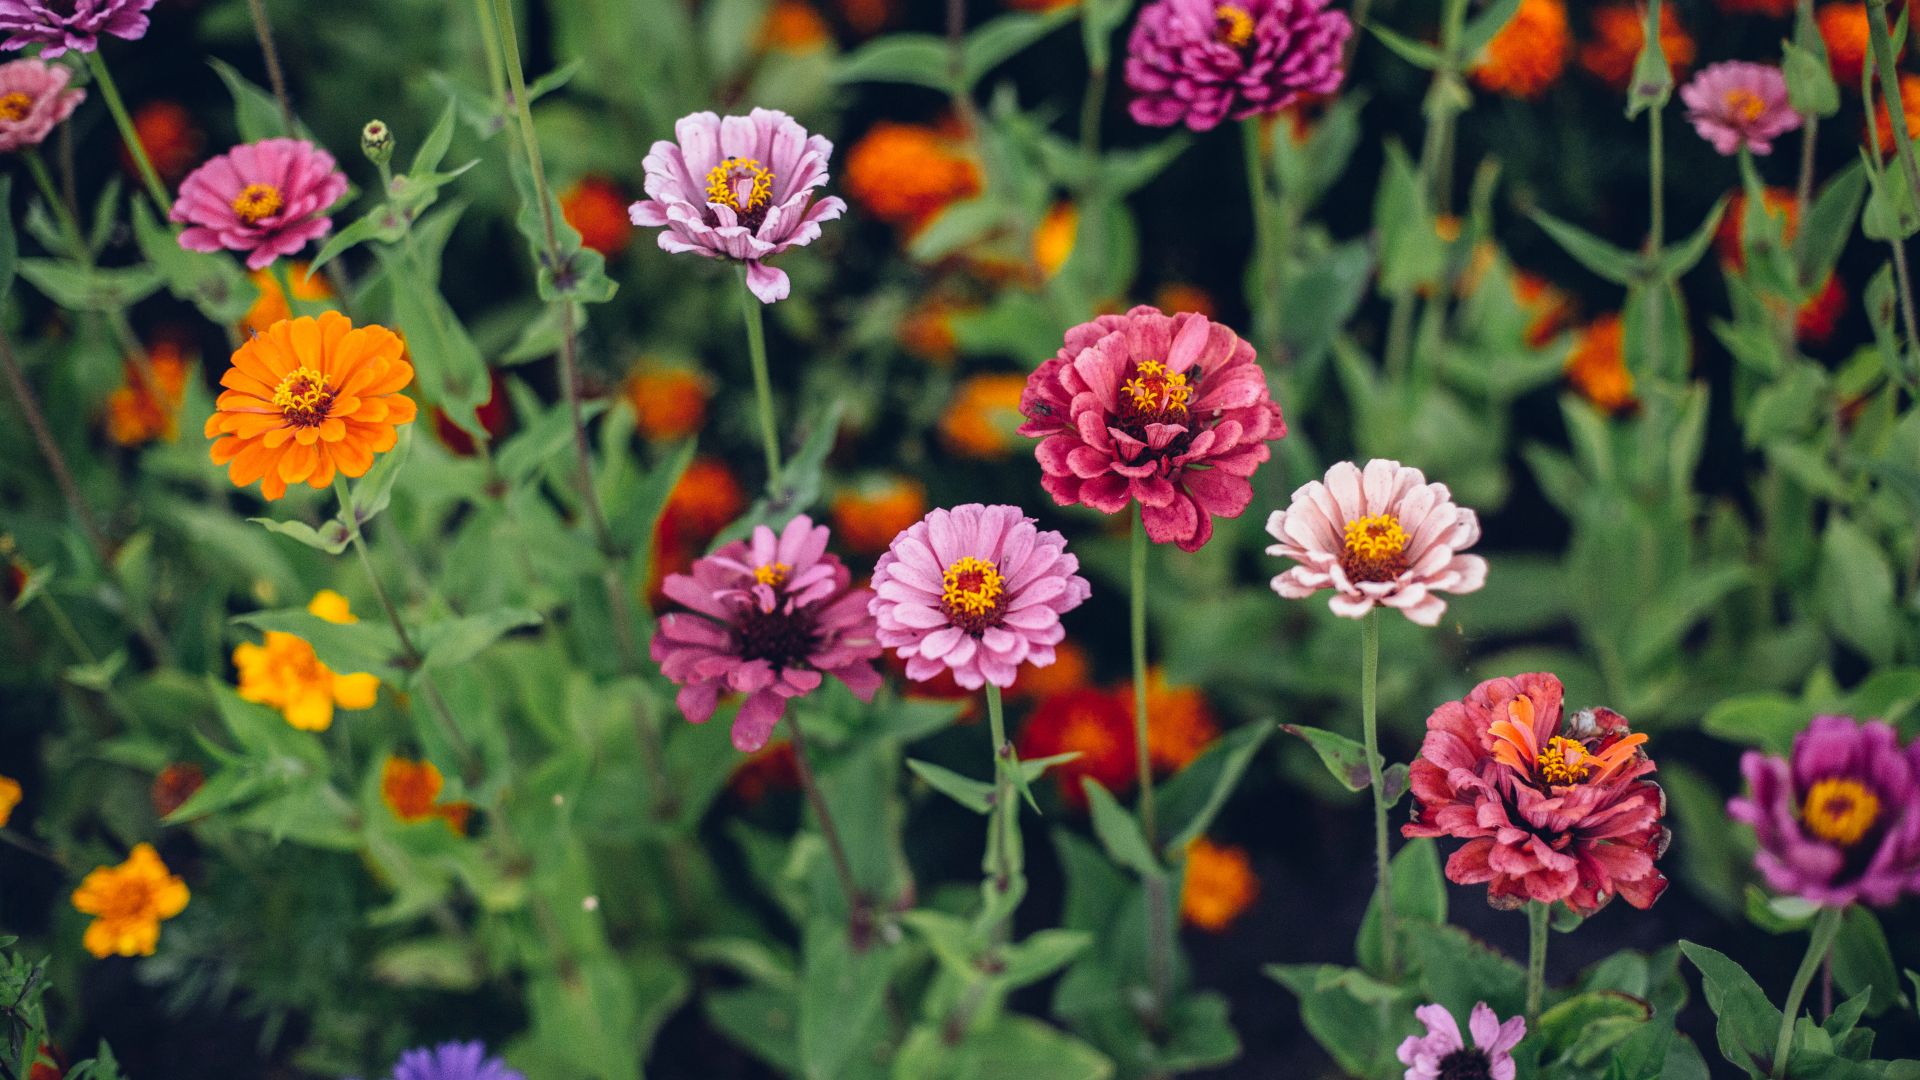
[33, 98]
[976, 589]
[1384, 536]
[1441, 1054]
[1737, 103]
[267, 198]
[769, 618]
[741, 188]
[1171, 411]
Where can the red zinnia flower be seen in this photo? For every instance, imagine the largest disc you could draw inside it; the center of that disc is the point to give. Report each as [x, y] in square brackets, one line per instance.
[1096, 723]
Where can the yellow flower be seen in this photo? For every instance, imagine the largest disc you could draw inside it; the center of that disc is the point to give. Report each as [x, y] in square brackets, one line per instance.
[9, 798]
[285, 673]
[1220, 885]
[128, 903]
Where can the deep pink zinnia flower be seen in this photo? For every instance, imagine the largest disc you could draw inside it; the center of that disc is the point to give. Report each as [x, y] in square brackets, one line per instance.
[1549, 811]
[978, 590]
[1840, 822]
[33, 98]
[1199, 62]
[1170, 411]
[769, 618]
[267, 198]
[59, 25]
[741, 188]
[1382, 536]
[1441, 1054]
[1737, 103]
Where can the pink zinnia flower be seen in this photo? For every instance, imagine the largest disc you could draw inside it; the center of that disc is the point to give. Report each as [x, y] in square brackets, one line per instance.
[33, 98]
[1199, 62]
[978, 590]
[59, 25]
[741, 188]
[1736, 103]
[1170, 411]
[1382, 536]
[1549, 811]
[1441, 1054]
[769, 618]
[267, 198]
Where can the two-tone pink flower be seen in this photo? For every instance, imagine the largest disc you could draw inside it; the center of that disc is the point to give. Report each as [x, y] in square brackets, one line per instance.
[1202, 62]
[59, 25]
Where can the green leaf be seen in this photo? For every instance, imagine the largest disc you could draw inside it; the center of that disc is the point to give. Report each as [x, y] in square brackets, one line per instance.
[1857, 591]
[1419, 896]
[1766, 719]
[208, 280]
[1040, 955]
[255, 113]
[1582, 1030]
[998, 39]
[1419, 54]
[1612, 263]
[1863, 962]
[347, 648]
[374, 490]
[917, 59]
[1118, 832]
[456, 641]
[1411, 254]
[332, 537]
[564, 270]
[1810, 85]
[84, 288]
[975, 795]
[1678, 259]
[1485, 26]
[1194, 797]
[1748, 1022]
[453, 375]
[1344, 758]
[842, 993]
[1457, 970]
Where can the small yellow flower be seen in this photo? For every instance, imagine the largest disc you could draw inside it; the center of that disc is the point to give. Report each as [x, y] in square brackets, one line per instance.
[128, 903]
[284, 672]
[9, 798]
[1220, 885]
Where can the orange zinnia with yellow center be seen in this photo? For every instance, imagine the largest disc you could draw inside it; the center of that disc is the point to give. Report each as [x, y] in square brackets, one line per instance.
[128, 903]
[15, 106]
[308, 399]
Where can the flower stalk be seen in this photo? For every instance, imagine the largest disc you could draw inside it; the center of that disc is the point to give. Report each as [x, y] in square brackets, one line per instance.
[859, 908]
[1538, 916]
[762, 384]
[110, 92]
[1143, 758]
[1370, 735]
[1826, 926]
[263, 30]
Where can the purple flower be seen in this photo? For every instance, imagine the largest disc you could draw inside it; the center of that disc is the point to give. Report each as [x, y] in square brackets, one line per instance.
[741, 188]
[977, 589]
[59, 25]
[769, 618]
[1737, 103]
[1840, 822]
[1200, 62]
[453, 1061]
[267, 198]
[1441, 1054]
[33, 98]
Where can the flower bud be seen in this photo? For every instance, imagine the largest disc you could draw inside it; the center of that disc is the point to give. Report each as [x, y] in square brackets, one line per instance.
[376, 141]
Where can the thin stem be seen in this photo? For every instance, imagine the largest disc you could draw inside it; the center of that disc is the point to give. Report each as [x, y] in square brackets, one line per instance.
[1259, 196]
[1370, 734]
[263, 30]
[1656, 232]
[859, 920]
[283, 276]
[1538, 915]
[523, 107]
[1143, 758]
[1092, 101]
[1005, 810]
[111, 93]
[1803, 188]
[1826, 926]
[1160, 943]
[1887, 64]
[490, 44]
[762, 385]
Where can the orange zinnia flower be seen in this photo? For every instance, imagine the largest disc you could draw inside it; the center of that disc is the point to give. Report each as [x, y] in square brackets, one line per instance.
[1220, 885]
[597, 208]
[1843, 26]
[1597, 367]
[1094, 722]
[982, 419]
[166, 132]
[1909, 104]
[926, 331]
[794, 26]
[1180, 723]
[411, 789]
[1528, 54]
[1069, 671]
[904, 174]
[668, 402]
[309, 398]
[1617, 36]
[868, 516]
[1180, 296]
[1549, 305]
[138, 411]
[271, 307]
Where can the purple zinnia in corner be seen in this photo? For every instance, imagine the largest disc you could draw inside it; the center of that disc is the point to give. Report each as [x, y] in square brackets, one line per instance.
[453, 1061]
[1441, 1054]
[59, 25]
[1199, 62]
[1740, 104]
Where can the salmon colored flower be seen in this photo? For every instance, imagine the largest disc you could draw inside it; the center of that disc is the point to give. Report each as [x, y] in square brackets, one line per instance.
[166, 131]
[284, 672]
[1844, 27]
[1220, 885]
[1180, 723]
[1619, 29]
[309, 398]
[868, 516]
[271, 306]
[1094, 723]
[794, 26]
[1528, 54]
[905, 174]
[138, 411]
[597, 208]
[411, 790]
[1910, 106]
[1738, 105]
[33, 98]
[269, 199]
[128, 903]
[9, 798]
[175, 785]
[668, 402]
[983, 418]
[1597, 366]
[492, 416]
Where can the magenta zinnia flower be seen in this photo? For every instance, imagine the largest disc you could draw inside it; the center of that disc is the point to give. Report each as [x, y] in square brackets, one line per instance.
[978, 590]
[1199, 62]
[1441, 1054]
[741, 188]
[33, 98]
[1170, 411]
[1840, 822]
[1549, 811]
[267, 198]
[1382, 536]
[769, 618]
[1737, 103]
[59, 25]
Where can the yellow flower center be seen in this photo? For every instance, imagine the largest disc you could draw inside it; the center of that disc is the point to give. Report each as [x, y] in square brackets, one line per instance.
[774, 574]
[1840, 811]
[1156, 393]
[15, 106]
[257, 202]
[1375, 548]
[1563, 761]
[740, 183]
[1745, 105]
[971, 590]
[1233, 25]
[303, 397]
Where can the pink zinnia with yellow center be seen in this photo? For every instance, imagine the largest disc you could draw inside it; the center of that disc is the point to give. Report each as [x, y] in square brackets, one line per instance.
[267, 199]
[1740, 104]
[33, 98]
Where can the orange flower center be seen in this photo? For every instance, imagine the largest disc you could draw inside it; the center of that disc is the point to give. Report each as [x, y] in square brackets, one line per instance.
[1155, 394]
[1232, 25]
[1840, 811]
[774, 574]
[740, 183]
[128, 897]
[971, 592]
[15, 106]
[1375, 549]
[1745, 105]
[303, 397]
[257, 202]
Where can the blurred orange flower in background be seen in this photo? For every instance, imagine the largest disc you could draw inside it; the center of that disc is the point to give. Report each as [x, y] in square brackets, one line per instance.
[794, 26]
[166, 132]
[1617, 36]
[1528, 54]
[865, 17]
[1094, 722]
[1549, 305]
[271, 307]
[904, 174]
[767, 770]
[1053, 240]
[1910, 105]
[1727, 237]
[981, 420]
[9, 798]
[1844, 28]
[174, 785]
[668, 402]
[1220, 885]
[128, 903]
[1069, 670]
[1597, 366]
[926, 330]
[411, 790]
[867, 516]
[705, 501]
[146, 405]
[285, 673]
[1180, 723]
[597, 208]
[1176, 296]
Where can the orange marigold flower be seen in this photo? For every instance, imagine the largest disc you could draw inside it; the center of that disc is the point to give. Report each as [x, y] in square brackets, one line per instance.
[794, 26]
[668, 402]
[128, 902]
[9, 798]
[1549, 305]
[597, 207]
[1180, 296]
[904, 174]
[175, 785]
[1220, 885]
[1597, 367]
[1069, 671]
[1528, 54]
[926, 331]
[166, 132]
[146, 405]
[271, 307]
[1909, 104]
[1180, 723]
[411, 789]
[1843, 26]
[309, 398]
[982, 418]
[1053, 240]
[869, 515]
[1094, 722]
[767, 770]
[1617, 36]
[284, 672]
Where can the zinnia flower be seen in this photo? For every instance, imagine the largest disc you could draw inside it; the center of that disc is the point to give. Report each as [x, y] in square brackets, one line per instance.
[1737, 104]
[1839, 823]
[668, 402]
[869, 515]
[1180, 723]
[138, 412]
[1597, 366]
[1549, 810]
[984, 416]
[1096, 724]
[739, 188]
[597, 208]
[794, 26]
[1844, 28]
[1528, 54]
[453, 1061]
[267, 199]
[1910, 107]
[411, 790]
[1054, 238]
[1219, 885]
[1200, 62]
[1171, 412]
[271, 305]
[59, 25]
[1441, 1054]
[767, 770]
[33, 98]
[978, 590]
[905, 174]
[1619, 29]
[9, 798]
[769, 618]
[128, 902]
[285, 673]
[1382, 536]
[165, 130]
[308, 398]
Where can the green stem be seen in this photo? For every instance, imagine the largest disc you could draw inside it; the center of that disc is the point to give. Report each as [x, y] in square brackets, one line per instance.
[1370, 734]
[1092, 101]
[1002, 861]
[490, 44]
[62, 213]
[859, 916]
[1143, 758]
[283, 276]
[111, 93]
[1538, 915]
[1888, 66]
[762, 385]
[1826, 926]
[1657, 233]
[1259, 198]
[263, 30]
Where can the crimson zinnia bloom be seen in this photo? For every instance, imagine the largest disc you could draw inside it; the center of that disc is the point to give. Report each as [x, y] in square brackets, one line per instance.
[1171, 411]
[1200, 62]
[1549, 810]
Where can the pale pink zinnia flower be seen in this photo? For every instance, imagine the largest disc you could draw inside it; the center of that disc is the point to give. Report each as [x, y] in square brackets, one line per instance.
[1383, 536]
[59, 25]
[267, 198]
[1441, 1054]
[1737, 103]
[33, 98]
[770, 617]
[1170, 411]
[978, 590]
[741, 188]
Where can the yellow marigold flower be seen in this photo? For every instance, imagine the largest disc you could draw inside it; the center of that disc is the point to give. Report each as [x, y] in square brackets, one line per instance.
[1180, 723]
[1220, 885]
[9, 798]
[668, 402]
[904, 174]
[1053, 240]
[285, 673]
[147, 404]
[1619, 30]
[1528, 54]
[1597, 367]
[866, 518]
[794, 26]
[982, 419]
[271, 307]
[128, 903]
